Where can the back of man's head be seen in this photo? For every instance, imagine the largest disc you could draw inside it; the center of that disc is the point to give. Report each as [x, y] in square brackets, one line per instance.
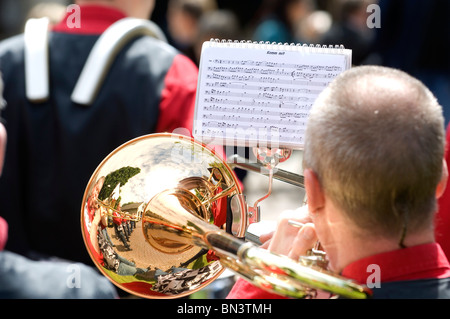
[375, 139]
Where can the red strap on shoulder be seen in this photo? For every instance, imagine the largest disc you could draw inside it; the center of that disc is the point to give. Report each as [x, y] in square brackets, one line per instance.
[178, 97]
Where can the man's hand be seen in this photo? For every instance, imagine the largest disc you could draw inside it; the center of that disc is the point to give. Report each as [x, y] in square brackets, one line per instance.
[290, 240]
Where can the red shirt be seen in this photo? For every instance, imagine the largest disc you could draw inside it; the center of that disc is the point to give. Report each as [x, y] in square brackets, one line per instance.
[3, 233]
[443, 214]
[419, 262]
[177, 104]
[94, 19]
[243, 289]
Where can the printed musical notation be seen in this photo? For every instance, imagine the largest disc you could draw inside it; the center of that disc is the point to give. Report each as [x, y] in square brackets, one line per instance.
[256, 94]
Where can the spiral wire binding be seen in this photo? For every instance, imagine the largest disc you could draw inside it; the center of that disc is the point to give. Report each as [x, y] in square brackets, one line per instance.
[311, 48]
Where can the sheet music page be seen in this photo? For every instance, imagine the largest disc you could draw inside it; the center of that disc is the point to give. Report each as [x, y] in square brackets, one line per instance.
[260, 97]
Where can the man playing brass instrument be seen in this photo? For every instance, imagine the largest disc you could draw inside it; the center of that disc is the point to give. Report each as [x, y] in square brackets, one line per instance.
[374, 169]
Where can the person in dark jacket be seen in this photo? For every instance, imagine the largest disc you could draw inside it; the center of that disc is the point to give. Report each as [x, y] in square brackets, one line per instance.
[56, 140]
[23, 278]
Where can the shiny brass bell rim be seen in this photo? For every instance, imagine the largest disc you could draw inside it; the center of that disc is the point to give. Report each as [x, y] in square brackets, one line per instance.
[149, 265]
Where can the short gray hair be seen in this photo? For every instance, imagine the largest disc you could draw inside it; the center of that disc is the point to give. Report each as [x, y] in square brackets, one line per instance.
[376, 139]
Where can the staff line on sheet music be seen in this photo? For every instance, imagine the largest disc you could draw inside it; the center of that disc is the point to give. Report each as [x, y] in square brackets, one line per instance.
[249, 111]
[253, 103]
[237, 119]
[272, 128]
[293, 74]
[313, 68]
[264, 95]
[247, 87]
[264, 79]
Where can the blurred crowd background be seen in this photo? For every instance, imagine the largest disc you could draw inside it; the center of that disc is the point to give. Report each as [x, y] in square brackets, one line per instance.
[412, 35]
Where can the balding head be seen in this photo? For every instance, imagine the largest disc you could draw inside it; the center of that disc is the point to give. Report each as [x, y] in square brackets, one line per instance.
[375, 139]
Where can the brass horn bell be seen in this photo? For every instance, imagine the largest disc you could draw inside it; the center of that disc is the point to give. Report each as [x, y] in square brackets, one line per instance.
[136, 215]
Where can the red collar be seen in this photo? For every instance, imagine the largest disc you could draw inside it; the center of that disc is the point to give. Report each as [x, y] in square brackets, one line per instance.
[3, 233]
[94, 19]
[418, 262]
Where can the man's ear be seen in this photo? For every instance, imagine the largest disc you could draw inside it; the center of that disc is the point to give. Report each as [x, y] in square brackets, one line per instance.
[443, 182]
[314, 191]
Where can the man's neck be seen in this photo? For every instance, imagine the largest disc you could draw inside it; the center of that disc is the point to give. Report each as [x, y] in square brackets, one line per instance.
[345, 242]
[357, 246]
[134, 9]
[95, 19]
